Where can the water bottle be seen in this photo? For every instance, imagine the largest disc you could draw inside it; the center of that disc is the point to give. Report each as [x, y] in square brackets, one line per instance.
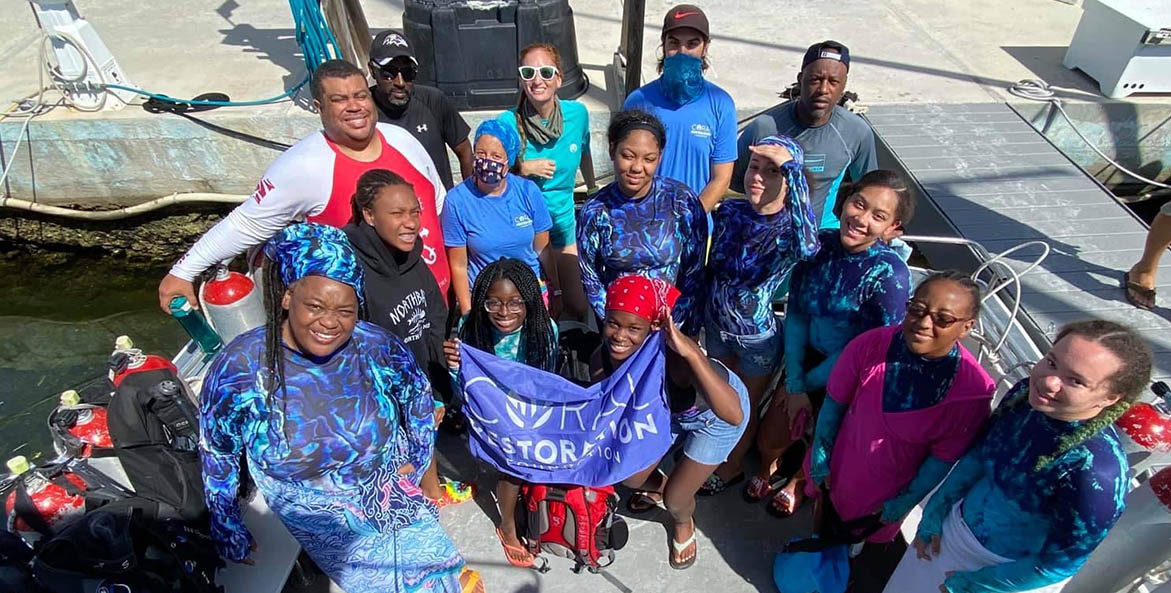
[196, 326]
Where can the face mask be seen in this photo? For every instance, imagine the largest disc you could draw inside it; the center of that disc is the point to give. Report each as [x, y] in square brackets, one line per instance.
[488, 171]
[682, 79]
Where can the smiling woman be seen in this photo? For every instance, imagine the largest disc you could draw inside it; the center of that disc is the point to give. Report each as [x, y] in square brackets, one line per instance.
[335, 421]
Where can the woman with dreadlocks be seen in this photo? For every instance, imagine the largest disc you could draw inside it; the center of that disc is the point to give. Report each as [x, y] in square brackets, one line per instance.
[509, 319]
[1024, 508]
[334, 419]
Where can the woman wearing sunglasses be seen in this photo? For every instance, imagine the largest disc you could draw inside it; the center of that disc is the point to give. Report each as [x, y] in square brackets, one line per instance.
[1029, 503]
[904, 402]
[495, 214]
[855, 283]
[555, 144]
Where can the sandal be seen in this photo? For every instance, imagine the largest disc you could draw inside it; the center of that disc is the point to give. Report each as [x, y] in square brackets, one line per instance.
[517, 556]
[714, 484]
[678, 548]
[454, 493]
[470, 581]
[784, 503]
[641, 502]
[1138, 295]
[758, 488]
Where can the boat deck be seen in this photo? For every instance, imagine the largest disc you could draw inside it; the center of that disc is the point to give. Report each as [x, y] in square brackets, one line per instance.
[992, 178]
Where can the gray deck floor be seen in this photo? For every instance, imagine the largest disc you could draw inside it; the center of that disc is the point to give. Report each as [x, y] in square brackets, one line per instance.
[998, 181]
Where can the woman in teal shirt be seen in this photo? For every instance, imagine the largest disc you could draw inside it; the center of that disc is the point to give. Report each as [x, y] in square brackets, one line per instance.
[555, 143]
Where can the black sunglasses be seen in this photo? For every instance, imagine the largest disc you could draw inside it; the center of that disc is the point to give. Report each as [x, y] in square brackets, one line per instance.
[390, 72]
[917, 310]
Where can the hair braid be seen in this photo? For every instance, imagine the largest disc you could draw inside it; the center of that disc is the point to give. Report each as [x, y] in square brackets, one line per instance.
[537, 331]
[369, 185]
[963, 280]
[274, 356]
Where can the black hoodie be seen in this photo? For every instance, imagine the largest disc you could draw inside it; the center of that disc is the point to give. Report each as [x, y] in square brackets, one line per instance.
[403, 297]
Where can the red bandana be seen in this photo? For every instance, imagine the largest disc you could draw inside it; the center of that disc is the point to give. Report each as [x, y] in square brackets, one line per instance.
[649, 299]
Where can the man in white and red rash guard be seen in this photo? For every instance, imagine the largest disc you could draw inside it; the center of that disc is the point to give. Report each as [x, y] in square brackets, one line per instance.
[315, 179]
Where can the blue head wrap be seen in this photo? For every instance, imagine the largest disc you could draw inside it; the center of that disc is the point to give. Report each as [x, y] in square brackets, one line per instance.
[505, 134]
[310, 249]
[798, 192]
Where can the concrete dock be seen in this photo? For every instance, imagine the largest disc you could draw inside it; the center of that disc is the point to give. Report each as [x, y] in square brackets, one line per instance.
[904, 51]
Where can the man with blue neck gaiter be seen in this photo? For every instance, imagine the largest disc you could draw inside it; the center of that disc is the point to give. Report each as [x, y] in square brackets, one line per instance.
[699, 116]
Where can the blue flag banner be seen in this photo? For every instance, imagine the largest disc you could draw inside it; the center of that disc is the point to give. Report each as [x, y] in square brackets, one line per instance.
[542, 428]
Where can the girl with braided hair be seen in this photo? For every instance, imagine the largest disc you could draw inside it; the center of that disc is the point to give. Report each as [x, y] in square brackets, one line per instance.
[755, 244]
[335, 421]
[509, 319]
[1024, 508]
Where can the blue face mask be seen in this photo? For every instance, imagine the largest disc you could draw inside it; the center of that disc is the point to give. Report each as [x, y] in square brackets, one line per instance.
[682, 78]
[489, 171]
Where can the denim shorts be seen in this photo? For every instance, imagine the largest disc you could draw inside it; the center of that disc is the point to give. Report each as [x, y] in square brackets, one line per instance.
[758, 354]
[705, 438]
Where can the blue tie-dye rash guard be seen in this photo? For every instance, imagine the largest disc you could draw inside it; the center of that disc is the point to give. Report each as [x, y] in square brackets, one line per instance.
[1048, 521]
[835, 297]
[912, 382]
[338, 423]
[751, 255]
[662, 235]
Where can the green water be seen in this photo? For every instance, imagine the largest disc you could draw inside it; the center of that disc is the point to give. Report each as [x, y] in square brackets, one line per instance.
[58, 322]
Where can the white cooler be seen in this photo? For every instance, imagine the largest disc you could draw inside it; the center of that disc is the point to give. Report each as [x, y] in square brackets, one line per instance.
[1125, 45]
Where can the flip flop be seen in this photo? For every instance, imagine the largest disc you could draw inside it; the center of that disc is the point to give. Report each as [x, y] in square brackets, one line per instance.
[758, 489]
[784, 504]
[714, 484]
[640, 502]
[678, 548]
[518, 551]
[455, 493]
[470, 581]
[1138, 295]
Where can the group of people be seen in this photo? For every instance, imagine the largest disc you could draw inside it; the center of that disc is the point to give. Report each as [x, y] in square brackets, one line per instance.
[331, 408]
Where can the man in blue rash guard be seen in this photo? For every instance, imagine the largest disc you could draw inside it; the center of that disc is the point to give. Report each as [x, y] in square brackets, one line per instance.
[643, 224]
[1025, 508]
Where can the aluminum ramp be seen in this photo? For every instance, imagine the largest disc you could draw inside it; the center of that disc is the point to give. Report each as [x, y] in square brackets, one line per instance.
[985, 174]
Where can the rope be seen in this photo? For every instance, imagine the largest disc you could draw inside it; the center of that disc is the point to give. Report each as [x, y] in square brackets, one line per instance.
[1039, 90]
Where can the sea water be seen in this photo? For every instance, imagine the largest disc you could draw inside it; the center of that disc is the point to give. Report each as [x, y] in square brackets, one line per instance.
[59, 317]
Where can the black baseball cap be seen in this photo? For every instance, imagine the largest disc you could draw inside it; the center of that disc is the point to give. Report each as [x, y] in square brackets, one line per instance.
[831, 50]
[388, 45]
[686, 15]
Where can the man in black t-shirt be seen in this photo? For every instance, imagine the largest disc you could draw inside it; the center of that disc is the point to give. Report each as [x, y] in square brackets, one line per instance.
[421, 110]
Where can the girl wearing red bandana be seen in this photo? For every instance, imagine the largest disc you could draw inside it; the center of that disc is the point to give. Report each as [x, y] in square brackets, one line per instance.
[709, 403]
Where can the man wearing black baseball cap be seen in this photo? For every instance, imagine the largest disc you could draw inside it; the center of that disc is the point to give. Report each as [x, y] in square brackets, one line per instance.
[699, 116]
[422, 110]
[837, 143]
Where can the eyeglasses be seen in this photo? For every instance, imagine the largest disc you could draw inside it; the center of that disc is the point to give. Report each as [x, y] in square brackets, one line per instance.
[494, 306]
[916, 310]
[390, 72]
[527, 73]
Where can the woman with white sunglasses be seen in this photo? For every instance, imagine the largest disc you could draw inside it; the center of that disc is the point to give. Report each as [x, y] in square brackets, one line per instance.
[555, 144]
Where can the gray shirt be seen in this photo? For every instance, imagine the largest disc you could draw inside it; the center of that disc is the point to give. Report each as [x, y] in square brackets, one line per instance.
[842, 146]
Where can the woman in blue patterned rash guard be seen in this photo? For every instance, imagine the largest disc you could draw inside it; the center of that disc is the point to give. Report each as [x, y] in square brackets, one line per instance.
[856, 282]
[642, 224]
[334, 419]
[755, 244]
[1026, 506]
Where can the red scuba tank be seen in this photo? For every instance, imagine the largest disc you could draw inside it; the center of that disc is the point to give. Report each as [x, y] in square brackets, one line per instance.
[80, 430]
[232, 304]
[51, 502]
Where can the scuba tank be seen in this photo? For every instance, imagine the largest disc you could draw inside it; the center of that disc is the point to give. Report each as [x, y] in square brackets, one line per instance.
[38, 503]
[80, 429]
[232, 303]
[196, 327]
[1148, 426]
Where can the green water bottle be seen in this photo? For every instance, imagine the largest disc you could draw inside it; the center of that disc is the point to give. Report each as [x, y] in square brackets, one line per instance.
[196, 326]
